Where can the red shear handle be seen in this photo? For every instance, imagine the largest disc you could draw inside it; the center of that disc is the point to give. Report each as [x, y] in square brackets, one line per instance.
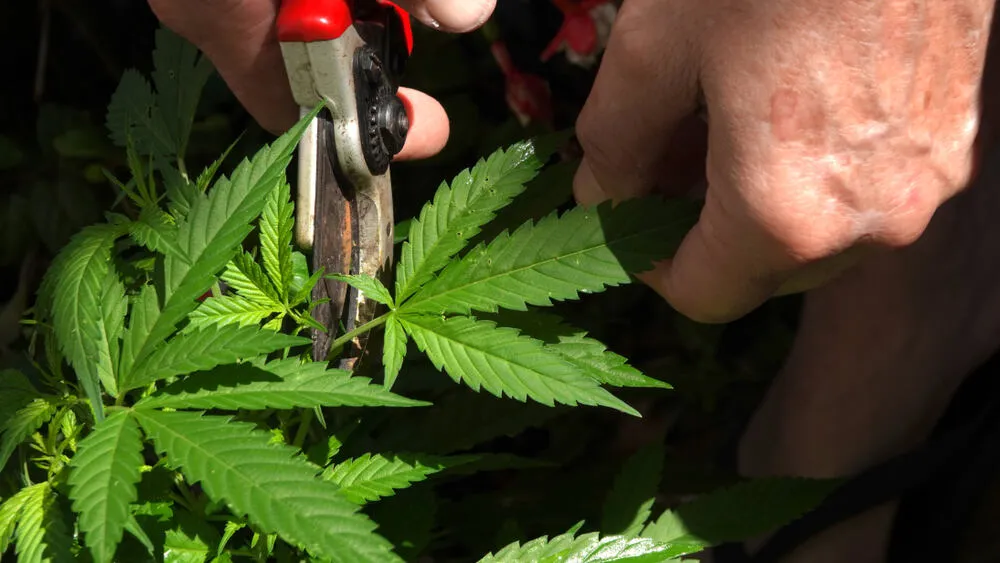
[308, 21]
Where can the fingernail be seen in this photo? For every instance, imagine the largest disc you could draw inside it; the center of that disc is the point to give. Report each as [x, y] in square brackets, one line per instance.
[458, 15]
[586, 188]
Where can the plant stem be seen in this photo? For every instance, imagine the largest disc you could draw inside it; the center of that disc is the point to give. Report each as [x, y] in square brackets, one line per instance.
[343, 340]
[303, 431]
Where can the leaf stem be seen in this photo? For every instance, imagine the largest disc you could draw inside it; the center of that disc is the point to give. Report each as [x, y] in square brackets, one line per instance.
[343, 340]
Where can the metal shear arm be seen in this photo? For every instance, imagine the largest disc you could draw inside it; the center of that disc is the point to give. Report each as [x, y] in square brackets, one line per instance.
[347, 56]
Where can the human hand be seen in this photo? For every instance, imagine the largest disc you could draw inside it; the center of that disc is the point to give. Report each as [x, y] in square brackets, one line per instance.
[833, 127]
[239, 37]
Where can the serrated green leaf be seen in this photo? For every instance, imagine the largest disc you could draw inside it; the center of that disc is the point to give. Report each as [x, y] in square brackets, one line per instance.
[302, 281]
[179, 546]
[742, 511]
[585, 250]
[228, 310]
[15, 392]
[181, 192]
[102, 481]
[372, 477]
[393, 350]
[276, 225]
[258, 289]
[228, 533]
[281, 384]
[552, 188]
[132, 527]
[180, 73]
[371, 287]
[156, 230]
[76, 285]
[132, 116]
[206, 348]
[211, 233]
[630, 500]
[276, 488]
[253, 272]
[208, 174]
[42, 534]
[10, 515]
[113, 306]
[499, 360]
[458, 212]
[588, 548]
[23, 424]
[589, 355]
[143, 314]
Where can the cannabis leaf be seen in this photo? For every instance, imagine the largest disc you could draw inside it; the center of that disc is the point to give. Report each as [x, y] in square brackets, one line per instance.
[23, 424]
[248, 279]
[458, 212]
[587, 354]
[156, 231]
[131, 117]
[42, 534]
[371, 287]
[584, 250]
[211, 233]
[180, 72]
[10, 514]
[742, 511]
[499, 360]
[276, 239]
[15, 392]
[206, 348]
[102, 482]
[589, 548]
[227, 310]
[277, 490]
[281, 384]
[76, 284]
[371, 477]
[393, 350]
[630, 501]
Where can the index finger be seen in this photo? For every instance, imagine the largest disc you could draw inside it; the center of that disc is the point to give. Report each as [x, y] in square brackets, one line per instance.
[450, 15]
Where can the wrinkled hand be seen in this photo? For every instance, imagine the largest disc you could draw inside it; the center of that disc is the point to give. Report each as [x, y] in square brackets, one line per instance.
[239, 37]
[833, 127]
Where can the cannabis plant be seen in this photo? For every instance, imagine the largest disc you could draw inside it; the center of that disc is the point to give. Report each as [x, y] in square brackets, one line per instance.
[172, 410]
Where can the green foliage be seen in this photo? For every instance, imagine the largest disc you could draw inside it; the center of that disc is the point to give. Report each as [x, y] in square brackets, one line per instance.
[372, 477]
[740, 512]
[590, 548]
[169, 390]
[277, 490]
[630, 501]
[499, 360]
[23, 424]
[457, 213]
[282, 384]
[584, 250]
[102, 483]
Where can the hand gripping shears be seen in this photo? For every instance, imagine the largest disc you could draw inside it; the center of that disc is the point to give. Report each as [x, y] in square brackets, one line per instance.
[347, 55]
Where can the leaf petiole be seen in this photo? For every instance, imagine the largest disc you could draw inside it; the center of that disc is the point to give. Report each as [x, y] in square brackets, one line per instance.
[343, 340]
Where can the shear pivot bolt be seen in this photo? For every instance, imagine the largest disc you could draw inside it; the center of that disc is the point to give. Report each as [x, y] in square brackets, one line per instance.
[393, 124]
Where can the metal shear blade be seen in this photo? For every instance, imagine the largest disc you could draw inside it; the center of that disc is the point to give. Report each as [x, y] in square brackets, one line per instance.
[344, 203]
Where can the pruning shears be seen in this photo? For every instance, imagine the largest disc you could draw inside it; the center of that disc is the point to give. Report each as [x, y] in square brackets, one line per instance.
[347, 55]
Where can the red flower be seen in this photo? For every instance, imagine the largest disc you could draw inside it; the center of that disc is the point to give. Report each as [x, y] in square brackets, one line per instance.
[584, 32]
[528, 96]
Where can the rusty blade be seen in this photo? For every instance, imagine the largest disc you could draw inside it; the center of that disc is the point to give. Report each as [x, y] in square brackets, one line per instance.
[333, 236]
[352, 235]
